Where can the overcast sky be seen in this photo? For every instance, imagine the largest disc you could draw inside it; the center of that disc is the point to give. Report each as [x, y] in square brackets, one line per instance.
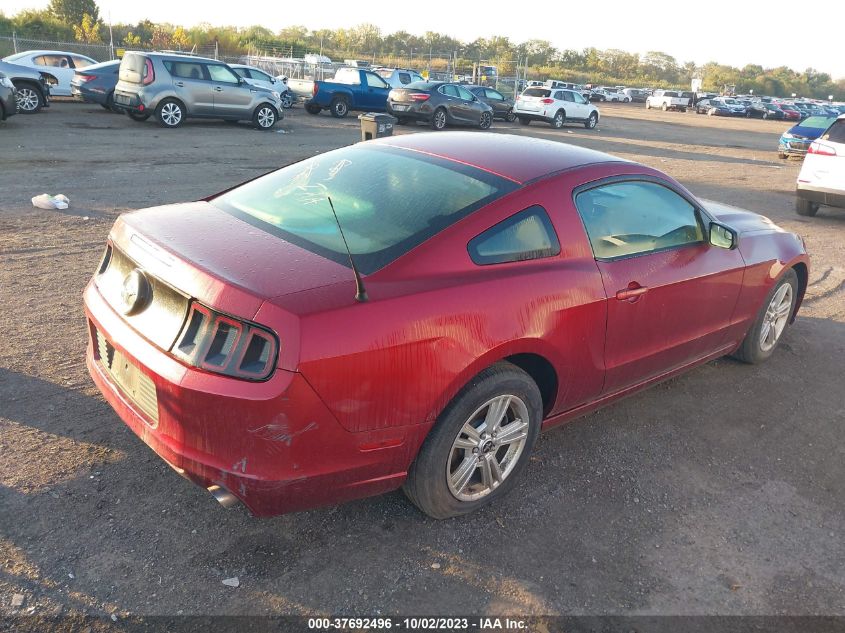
[769, 33]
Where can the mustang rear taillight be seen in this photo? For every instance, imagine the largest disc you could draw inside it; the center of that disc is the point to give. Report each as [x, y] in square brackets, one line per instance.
[547, 101]
[819, 149]
[419, 96]
[84, 78]
[224, 345]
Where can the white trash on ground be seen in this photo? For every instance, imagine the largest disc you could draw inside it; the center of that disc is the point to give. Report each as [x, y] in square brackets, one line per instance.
[46, 201]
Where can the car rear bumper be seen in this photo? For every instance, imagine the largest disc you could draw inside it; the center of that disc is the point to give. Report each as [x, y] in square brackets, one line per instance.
[273, 445]
[821, 195]
[419, 111]
[88, 95]
[10, 104]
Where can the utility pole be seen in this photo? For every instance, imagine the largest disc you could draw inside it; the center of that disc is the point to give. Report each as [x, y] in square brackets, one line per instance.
[111, 39]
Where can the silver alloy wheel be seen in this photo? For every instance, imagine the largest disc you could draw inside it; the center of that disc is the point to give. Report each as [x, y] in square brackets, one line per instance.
[487, 447]
[591, 122]
[266, 117]
[27, 99]
[777, 314]
[171, 114]
[287, 101]
[486, 120]
[440, 119]
[558, 120]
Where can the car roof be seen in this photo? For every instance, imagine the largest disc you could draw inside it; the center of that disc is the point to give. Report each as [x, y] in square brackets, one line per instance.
[45, 52]
[518, 158]
[180, 56]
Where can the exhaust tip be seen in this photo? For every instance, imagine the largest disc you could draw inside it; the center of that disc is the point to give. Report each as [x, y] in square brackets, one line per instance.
[223, 496]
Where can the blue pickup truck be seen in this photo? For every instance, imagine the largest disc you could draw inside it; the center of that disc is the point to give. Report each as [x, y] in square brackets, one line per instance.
[351, 89]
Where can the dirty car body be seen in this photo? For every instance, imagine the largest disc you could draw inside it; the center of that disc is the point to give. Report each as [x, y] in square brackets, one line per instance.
[226, 332]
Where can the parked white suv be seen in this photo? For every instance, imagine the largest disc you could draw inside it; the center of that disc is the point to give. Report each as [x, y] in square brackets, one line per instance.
[555, 107]
[822, 176]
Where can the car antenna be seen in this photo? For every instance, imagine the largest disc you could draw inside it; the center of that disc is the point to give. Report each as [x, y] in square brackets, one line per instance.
[360, 293]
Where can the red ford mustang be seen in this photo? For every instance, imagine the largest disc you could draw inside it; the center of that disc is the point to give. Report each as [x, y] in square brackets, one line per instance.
[507, 285]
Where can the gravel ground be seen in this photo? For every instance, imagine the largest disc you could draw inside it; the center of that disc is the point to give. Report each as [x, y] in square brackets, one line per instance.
[719, 492]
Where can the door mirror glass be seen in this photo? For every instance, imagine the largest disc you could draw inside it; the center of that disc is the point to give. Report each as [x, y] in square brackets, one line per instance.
[722, 236]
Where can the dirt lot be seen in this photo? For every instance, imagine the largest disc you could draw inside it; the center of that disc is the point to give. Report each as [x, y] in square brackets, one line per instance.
[716, 493]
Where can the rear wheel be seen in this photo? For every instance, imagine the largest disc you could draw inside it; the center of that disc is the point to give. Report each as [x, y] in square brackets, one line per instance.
[287, 100]
[313, 109]
[403, 120]
[339, 107]
[591, 121]
[486, 121]
[664, 107]
[170, 113]
[479, 445]
[438, 119]
[264, 117]
[558, 120]
[762, 339]
[524, 120]
[647, 105]
[806, 207]
[138, 116]
[29, 98]
[510, 117]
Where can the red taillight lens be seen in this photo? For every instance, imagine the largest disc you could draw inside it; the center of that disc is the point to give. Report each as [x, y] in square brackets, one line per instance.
[314, 89]
[547, 101]
[419, 96]
[225, 345]
[149, 72]
[84, 78]
[820, 149]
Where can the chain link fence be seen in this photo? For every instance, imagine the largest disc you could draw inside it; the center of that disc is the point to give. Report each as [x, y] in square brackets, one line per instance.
[507, 76]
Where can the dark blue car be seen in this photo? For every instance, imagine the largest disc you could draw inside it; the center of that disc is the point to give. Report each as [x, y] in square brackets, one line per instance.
[95, 84]
[798, 138]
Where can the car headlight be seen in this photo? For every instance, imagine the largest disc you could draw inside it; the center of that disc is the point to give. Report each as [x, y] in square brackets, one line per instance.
[787, 135]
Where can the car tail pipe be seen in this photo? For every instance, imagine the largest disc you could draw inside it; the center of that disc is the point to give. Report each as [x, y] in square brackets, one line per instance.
[223, 496]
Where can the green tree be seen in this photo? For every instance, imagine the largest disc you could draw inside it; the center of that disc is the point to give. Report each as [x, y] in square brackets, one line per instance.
[88, 31]
[74, 11]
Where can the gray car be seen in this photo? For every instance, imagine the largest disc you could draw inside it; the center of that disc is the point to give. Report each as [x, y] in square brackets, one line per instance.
[33, 91]
[174, 87]
[8, 99]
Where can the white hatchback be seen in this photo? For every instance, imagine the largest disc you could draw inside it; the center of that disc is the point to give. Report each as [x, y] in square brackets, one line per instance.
[58, 66]
[555, 107]
[822, 176]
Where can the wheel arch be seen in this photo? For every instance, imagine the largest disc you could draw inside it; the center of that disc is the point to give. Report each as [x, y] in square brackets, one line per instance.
[803, 272]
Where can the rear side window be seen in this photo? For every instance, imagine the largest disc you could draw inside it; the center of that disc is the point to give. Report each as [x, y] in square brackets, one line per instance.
[835, 132]
[185, 70]
[568, 96]
[449, 90]
[636, 217]
[243, 72]
[404, 78]
[492, 94]
[56, 61]
[528, 234]
[536, 92]
[80, 62]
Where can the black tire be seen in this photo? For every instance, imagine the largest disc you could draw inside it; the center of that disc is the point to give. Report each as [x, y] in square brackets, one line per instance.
[29, 97]
[170, 113]
[264, 117]
[426, 485]
[591, 121]
[138, 116]
[339, 107]
[510, 117]
[485, 121]
[806, 208]
[751, 350]
[765, 115]
[524, 120]
[439, 119]
[664, 107]
[313, 109]
[783, 156]
[558, 120]
[287, 100]
[403, 120]
[647, 105]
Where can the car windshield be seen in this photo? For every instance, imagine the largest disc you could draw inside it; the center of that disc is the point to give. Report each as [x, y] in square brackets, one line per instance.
[387, 200]
[820, 122]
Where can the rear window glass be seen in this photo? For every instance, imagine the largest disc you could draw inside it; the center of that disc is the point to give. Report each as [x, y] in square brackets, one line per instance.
[536, 92]
[387, 200]
[835, 132]
[133, 68]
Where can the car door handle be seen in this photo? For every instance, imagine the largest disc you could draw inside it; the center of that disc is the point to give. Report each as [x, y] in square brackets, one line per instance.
[181, 84]
[632, 293]
[218, 89]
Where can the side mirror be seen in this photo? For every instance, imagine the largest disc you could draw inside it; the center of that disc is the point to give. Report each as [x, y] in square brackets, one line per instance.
[722, 236]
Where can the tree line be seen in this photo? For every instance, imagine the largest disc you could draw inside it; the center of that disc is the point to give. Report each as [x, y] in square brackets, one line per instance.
[80, 21]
